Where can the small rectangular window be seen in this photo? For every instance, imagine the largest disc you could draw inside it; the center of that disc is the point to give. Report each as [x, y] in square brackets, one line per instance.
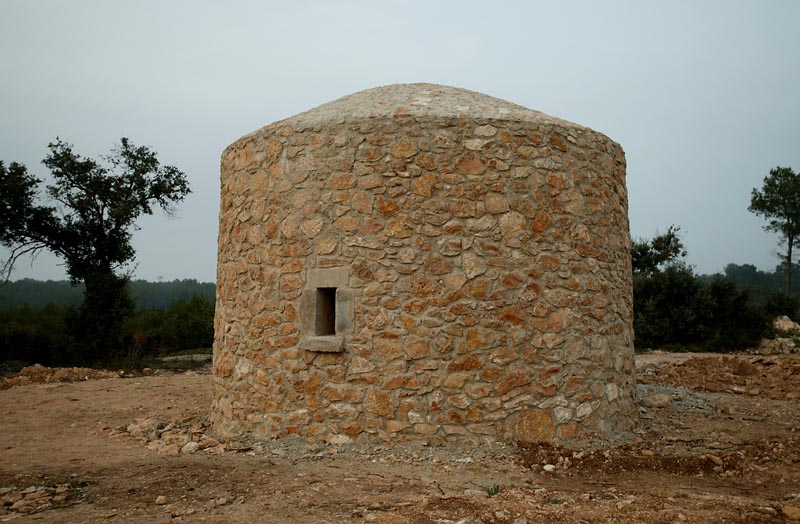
[326, 311]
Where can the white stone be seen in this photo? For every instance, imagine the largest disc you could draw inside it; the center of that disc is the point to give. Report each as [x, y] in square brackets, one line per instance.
[243, 368]
[580, 232]
[553, 340]
[455, 280]
[584, 410]
[545, 163]
[472, 265]
[386, 275]
[562, 415]
[554, 401]
[312, 227]
[406, 255]
[612, 392]
[338, 440]
[576, 205]
[415, 418]
[481, 224]
[785, 324]
[289, 225]
[361, 365]
[474, 144]
[512, 224]
[485, 131]
[190, 447]
[513, 403]
[369, 243]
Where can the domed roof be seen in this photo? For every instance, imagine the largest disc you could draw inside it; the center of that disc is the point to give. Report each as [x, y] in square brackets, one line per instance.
[420, 100]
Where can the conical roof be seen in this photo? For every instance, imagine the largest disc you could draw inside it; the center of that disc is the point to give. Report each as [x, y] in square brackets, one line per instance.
[420, 100]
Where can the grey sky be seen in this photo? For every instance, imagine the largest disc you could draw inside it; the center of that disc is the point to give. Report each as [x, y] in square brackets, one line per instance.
[702, 95]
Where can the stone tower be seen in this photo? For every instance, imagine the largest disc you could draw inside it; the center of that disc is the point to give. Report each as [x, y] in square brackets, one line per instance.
[420, 261]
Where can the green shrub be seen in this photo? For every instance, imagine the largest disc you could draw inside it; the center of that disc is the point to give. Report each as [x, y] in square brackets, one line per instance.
[675, 309]
[38, 336]
[186, 324]
[778, 303]
[727, 318]
[664, 305]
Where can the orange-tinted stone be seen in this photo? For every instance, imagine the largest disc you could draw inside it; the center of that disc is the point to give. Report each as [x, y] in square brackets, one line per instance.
[469, 164]
[404, 148]
[341, 181]
[438, 266]
[426, 161]
[385, 207]
[379, 403]
[417, 349]
[465, 363]
[535, 426]
[513, 380]
[491, 374]
[558, 142]
[512, 314]
[351, 428]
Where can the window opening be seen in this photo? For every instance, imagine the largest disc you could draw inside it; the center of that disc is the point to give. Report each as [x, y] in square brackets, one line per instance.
[326, 311]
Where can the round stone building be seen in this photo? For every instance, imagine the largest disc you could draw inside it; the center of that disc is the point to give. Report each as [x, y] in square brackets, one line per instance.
[424, 262]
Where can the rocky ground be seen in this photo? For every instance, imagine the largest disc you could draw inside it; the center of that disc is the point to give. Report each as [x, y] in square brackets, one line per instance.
[718, 441]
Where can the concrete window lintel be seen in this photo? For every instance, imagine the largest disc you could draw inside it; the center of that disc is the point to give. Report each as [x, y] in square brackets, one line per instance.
[337, 277]
[326, 344]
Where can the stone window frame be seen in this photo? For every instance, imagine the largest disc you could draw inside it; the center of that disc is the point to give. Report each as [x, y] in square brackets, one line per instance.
[314, 302]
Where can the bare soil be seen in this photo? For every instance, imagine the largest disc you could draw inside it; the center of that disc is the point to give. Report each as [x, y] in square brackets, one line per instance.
[718, 441]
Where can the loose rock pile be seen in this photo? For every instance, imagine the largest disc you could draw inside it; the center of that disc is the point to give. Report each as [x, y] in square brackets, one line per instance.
[38, 498]
[172, 438]
[785, 324]
[786, 330]
[777, 346]
[38, 374]
[189, 436]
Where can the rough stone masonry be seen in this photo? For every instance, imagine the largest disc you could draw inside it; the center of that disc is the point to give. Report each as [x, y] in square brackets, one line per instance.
[424, 262]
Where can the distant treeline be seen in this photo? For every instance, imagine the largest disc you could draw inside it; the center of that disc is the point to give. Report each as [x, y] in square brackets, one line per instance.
[37, 294]
[38, 319]
[761, 283]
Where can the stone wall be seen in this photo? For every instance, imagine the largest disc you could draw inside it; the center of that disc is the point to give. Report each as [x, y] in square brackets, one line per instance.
[483, 265]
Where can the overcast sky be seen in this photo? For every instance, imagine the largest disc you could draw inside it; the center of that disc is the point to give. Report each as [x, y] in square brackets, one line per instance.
[704, 96]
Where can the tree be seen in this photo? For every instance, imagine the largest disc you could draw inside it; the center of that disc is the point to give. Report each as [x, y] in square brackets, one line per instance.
[778, 200]
[88, 222]
[647, 256]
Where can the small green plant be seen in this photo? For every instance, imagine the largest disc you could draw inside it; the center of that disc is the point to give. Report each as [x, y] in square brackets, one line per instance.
[555, 500]
[493, 490]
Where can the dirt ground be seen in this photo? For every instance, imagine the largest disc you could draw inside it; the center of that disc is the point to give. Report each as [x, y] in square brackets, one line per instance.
[718, 441]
